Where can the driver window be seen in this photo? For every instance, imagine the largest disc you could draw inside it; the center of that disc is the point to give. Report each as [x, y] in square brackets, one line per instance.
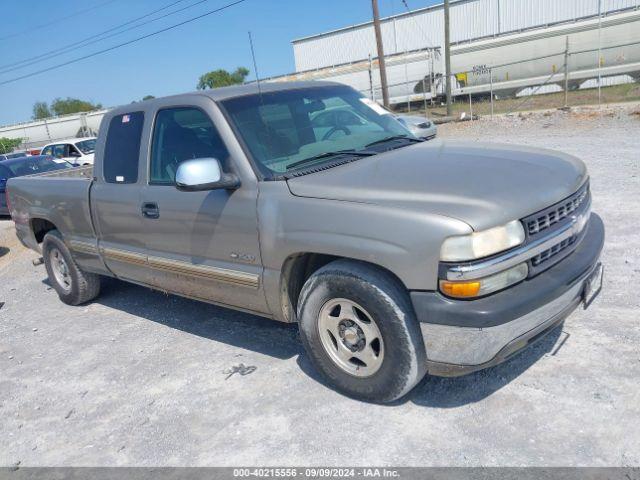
[59, 151]
[73, 151]
[182, 134]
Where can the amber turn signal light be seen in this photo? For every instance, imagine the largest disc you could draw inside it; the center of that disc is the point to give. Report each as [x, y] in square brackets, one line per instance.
[460, 289]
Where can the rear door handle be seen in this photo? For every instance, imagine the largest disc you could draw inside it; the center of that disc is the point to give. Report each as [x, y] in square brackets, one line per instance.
[150, 210]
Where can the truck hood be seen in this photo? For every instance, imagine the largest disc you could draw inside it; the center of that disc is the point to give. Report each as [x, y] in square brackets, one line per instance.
[481, 184]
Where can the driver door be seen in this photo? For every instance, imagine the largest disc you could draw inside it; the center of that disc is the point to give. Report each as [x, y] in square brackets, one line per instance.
[199, 244]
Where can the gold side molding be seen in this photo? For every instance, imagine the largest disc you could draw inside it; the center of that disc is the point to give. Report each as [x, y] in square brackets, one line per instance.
[226, 275]
[83, 247]
[235, 277]
[124, 256]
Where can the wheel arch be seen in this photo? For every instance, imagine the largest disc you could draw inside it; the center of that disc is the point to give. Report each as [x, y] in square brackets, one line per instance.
[298, 267]
[40, 227]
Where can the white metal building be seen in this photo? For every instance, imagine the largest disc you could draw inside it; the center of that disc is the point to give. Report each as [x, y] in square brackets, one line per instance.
[424, 28]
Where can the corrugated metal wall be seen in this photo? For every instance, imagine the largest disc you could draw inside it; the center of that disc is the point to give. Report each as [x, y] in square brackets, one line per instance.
[470, 20]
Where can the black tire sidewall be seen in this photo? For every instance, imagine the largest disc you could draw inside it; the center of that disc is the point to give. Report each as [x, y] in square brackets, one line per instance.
[404, 362]
[53, 239]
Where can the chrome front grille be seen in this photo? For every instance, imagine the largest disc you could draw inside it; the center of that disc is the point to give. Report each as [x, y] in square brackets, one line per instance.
[556, 249]
[555, 214]
[557, 218]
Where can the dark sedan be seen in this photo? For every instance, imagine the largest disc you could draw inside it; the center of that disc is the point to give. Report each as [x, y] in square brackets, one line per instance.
[21, 166]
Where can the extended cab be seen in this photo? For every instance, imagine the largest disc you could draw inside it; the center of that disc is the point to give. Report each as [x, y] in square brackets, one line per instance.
[397, 257]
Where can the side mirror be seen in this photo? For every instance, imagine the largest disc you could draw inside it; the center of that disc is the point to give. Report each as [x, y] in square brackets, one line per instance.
[204, 174]
[74, 154]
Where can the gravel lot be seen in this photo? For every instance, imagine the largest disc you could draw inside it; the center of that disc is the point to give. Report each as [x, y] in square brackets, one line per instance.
[140, 378]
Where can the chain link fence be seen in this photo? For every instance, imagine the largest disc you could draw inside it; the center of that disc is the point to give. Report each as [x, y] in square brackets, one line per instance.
[560, 79]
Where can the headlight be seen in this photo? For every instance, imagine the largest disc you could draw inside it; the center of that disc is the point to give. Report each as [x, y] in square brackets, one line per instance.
[485, 286]
[482, 244]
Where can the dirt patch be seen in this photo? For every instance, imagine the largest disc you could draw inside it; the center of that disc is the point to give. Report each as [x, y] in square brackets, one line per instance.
[10, 246]
[482, 106]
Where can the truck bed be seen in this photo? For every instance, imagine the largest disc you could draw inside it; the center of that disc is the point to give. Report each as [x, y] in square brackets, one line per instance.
[85, 172]
[60, 197]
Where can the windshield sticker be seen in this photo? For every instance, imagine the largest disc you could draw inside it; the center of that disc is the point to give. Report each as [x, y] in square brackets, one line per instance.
[375, 106]
[126, 118]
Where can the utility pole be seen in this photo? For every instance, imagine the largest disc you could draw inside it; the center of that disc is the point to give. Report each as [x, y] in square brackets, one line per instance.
[447, 57]
[599, 53]
[381, 62]
[566, 74]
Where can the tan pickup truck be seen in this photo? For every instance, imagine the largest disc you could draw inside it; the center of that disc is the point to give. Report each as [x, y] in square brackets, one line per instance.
[397, 257]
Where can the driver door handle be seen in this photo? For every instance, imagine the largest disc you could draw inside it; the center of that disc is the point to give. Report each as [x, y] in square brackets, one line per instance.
[150, 210]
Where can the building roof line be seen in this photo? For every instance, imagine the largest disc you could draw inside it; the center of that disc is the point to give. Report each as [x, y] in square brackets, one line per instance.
[417, 11]
[438, 6]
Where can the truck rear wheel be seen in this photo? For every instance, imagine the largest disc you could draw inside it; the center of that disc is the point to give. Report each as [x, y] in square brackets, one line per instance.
[358, 326]
[73, 286]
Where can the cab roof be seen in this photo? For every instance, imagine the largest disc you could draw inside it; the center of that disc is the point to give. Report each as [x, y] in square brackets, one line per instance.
[225, 93]
[73, 140]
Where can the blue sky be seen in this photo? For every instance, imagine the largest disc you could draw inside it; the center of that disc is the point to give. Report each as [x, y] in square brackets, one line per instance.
[165, 64]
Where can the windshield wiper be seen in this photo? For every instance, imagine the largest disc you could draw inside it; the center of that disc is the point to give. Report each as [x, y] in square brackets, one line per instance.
[337, 153]
[394, 137]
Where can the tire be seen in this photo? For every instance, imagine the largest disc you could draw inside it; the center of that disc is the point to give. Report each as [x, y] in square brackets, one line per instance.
[389, 356]
[72, 285]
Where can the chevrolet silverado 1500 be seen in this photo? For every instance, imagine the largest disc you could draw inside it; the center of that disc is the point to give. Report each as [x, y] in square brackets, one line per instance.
[397, 257]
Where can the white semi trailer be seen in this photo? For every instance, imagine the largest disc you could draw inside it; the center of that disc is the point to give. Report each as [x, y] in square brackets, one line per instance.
[516, 60]
[40, 132]
[609, 47]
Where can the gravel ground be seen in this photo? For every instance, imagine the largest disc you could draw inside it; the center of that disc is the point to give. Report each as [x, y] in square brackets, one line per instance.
[140, 378]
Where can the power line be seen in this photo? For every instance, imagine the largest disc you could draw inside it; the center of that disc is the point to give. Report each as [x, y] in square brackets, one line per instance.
[129, 42]
[420, 27]
[38, 27]
[64, 47]
[93, 38]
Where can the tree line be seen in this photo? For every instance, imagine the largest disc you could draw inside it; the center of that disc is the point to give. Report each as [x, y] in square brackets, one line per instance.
[65, 106]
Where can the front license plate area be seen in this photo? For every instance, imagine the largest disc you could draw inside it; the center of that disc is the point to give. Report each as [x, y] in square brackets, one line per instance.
[593, 286]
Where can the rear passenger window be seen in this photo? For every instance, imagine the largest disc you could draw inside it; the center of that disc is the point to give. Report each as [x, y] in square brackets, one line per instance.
[122, 149]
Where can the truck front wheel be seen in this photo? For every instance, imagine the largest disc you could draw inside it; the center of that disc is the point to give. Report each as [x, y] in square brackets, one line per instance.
[358, 326]
[72, 285]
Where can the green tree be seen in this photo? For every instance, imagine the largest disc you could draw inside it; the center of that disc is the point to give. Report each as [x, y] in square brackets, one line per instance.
[222, 78]
[65, 106]
[148, 97]
[7, 145]
[41, 110]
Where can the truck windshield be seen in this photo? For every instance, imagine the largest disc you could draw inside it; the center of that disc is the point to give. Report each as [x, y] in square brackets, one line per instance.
[299, 129]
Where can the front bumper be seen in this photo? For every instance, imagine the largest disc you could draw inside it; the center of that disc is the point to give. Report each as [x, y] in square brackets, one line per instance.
[462, 336]
[425, 133]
